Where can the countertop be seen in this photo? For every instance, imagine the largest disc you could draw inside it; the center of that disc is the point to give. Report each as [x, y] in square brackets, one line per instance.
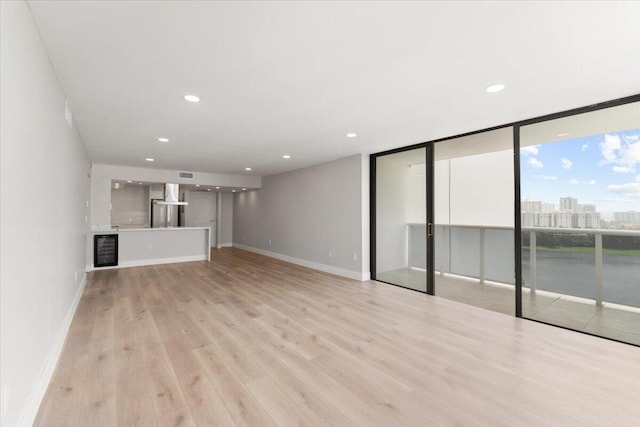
[126, 230]
[163, 229]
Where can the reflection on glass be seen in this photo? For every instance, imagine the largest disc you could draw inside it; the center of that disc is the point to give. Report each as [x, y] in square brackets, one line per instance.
[401, 257]
[580, 186]
[473, 196]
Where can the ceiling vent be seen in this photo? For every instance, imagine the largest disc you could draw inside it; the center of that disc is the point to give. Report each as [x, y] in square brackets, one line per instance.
[185, 175]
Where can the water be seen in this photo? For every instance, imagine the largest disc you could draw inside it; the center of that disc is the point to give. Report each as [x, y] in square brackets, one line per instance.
[573, 274]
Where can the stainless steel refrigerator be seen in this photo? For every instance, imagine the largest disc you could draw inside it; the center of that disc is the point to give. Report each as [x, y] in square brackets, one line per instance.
[163, 215]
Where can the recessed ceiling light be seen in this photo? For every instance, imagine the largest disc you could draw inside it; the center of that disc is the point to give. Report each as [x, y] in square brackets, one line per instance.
[352, 135]
[149, 159]
[494, 88]
[208, 189]
[163, 139]
[191, 98]
[247, 169]
[139, 183]
[286, 156]
[197, 185]
[233, 191]
[128, 181]
[217, 188]
[243, 189]
[563, 134]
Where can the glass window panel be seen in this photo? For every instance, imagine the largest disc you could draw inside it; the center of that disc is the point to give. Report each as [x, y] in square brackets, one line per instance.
[474, 215]
[401, 256]
[580, 188]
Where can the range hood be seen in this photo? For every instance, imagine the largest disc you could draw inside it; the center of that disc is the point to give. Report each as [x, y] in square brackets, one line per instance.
[171, 196]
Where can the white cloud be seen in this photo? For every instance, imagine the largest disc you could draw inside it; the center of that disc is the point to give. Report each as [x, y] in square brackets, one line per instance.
[631, 189]
[584, 147]
[630, 154]
[535, 162]
[574, 181]
[623, 169]
[609, 148]
[637, 177]
[531, 150]
[548, 177]
[623, 153]
[566, 163]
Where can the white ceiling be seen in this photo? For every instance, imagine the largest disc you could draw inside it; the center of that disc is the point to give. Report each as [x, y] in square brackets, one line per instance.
[295, 77]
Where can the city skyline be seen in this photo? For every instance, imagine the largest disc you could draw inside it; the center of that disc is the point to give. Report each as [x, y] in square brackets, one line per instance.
[602, 170]
[570, 214]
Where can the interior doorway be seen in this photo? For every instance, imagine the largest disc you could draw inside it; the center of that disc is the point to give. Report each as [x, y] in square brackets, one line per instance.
[202, 211]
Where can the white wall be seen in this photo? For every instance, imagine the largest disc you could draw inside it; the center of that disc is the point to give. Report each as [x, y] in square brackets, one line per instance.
[44, 186]
[441, 191]
[102, 175]
[130, 206]
[475, 189]
[400, 199]
[304, 215]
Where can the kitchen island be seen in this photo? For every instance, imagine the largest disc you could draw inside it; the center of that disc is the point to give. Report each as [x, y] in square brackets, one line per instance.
[150, 246]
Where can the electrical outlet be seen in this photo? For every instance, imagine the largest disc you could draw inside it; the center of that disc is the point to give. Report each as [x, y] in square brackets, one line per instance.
[355, 256]
[150, 246]
[245, 237]
[269, 242]
[75, 276]
[330, 254]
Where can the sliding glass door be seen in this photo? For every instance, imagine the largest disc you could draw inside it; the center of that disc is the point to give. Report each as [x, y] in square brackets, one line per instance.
[539, 219]
[474, 220]
[580, 215]
[401, 218]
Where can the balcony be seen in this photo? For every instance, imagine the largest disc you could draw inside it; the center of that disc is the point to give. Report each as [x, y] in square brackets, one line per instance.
[592, 289]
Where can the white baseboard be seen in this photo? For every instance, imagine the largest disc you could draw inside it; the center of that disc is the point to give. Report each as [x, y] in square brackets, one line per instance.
[305, 263]
[225, 245]
[30, 410]
[153, 261]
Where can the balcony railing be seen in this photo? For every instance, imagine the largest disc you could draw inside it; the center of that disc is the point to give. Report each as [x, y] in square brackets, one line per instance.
[486, 252]
[599, 253]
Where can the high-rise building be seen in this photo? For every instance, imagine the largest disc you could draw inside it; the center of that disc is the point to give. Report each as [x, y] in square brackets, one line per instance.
[547, 208]
[531, 206]
[564, 219]
[586, 220]
[570, 215]
[568, 204]
[630, 216]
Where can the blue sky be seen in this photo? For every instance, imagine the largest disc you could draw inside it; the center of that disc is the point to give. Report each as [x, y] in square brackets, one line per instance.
[603, 170]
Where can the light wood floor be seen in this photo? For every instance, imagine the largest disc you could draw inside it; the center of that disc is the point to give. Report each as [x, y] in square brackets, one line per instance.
[249, 340]
[609, 321]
